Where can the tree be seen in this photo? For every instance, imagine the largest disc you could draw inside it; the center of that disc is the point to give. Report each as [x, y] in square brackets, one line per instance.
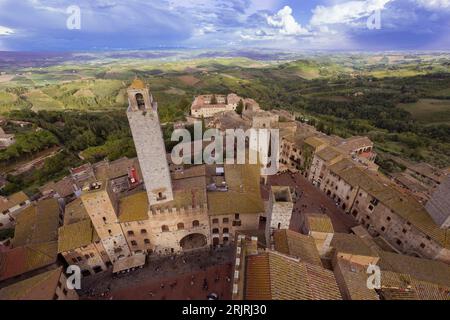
[240, 107]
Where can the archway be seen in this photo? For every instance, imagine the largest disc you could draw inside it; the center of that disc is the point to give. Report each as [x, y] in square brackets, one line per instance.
[140, 101]
[193, 241]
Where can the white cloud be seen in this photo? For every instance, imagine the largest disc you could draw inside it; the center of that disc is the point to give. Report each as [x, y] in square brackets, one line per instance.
[4, 31]
[434, 4]
[347, 12]
[285, 22]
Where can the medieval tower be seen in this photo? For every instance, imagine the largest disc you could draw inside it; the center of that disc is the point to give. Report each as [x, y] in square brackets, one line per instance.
[143, 117]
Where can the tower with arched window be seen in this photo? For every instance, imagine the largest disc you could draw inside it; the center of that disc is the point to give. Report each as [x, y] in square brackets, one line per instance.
[143, 117]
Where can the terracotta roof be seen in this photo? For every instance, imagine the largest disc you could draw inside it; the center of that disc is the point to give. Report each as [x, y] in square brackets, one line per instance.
[75, 235]
[133, 207]
[319, 223]
[314, 142]
[439, 205]
[39, 287]
[12, 200]
[297, 245]
[355, 143]
[401, 286]
[273, 276]
[75, 211]
[329, 154]
[137, 84]
[23, 259]
[421, 269]
[352, 280]
[351, 244]
[37, 224]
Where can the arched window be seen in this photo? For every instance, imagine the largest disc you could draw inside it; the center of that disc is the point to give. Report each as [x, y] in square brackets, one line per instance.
[165, 228]
[140, 101]
[195, 223]
[180, 226]
[225, 230]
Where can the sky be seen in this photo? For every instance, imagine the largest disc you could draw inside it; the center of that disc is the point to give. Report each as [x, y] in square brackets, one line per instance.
[345, 25]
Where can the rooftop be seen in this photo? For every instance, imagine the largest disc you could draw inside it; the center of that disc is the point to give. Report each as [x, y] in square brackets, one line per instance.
[12, 200]
[75, 235]
[39, 287]
[133, 207]
[137, 84]
[319, 223]
[243, 195]
[297, 245]
[351, 244]
[273, 276]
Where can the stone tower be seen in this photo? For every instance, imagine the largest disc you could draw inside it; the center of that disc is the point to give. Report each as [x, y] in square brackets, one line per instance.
[143, 117]
[281, 204]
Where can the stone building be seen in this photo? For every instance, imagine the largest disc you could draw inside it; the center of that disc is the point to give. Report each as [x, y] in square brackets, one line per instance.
[101, 205]
[10, 207]
[281, 204]
[209, 105]
[320, 228]
[143, 117]
[6, 139]
[438, 207]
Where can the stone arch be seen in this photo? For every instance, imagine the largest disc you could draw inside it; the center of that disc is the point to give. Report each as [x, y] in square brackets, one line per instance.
[193, 241]
[140, 101]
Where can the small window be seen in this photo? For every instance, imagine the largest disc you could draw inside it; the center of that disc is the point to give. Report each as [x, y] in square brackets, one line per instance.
[236, 216]
[130, 233]
[388, 218]
[143, 231]
[225, 220]
[422, 245]
[215, 230]
[225, 230]
[165, 228]
[146, 241]
[133, 243]
[399, 242]
[383, 228]
[370, 207]
[404, 231]
[180, 226]
[215, 221]
[195, 223]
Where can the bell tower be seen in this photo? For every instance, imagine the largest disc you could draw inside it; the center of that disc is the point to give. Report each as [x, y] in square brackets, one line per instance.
[143, 117]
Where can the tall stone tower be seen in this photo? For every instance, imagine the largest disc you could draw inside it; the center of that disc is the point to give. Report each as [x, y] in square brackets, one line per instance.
[147, 135]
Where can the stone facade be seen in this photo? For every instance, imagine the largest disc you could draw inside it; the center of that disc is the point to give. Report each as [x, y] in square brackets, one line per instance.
[147, 135]
[280, 207]
[99, 203]
[88, 258]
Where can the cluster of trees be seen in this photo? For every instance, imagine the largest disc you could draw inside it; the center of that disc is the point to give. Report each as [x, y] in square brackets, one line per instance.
[27, 144]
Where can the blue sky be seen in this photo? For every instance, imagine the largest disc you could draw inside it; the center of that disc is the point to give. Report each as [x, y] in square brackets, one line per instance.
[41, 25]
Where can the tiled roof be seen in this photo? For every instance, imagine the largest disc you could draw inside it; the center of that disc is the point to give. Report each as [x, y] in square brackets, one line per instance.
[401, 286]
[355, 143]
[319, 223]
[314, 142]
[23, 259]
[37, 224]
[75, 211]
[297, 245]
[273, 276]
[133, 207]
[329, 154]
[422, 269]
[39, 287]
[75, 235]
[351, 244]
[137, 84]
[352, 280]
[12, 200]
[243, 195]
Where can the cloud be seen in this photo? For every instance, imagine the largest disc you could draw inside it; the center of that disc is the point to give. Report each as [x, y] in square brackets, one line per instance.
[4, 31]
[347, 12]
[434, 4]
[286, 24]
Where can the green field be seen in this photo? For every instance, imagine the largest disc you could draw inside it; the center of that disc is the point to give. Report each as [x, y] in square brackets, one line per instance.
[429, 110]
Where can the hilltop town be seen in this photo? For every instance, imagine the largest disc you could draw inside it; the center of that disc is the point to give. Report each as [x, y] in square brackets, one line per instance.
[228, 231]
